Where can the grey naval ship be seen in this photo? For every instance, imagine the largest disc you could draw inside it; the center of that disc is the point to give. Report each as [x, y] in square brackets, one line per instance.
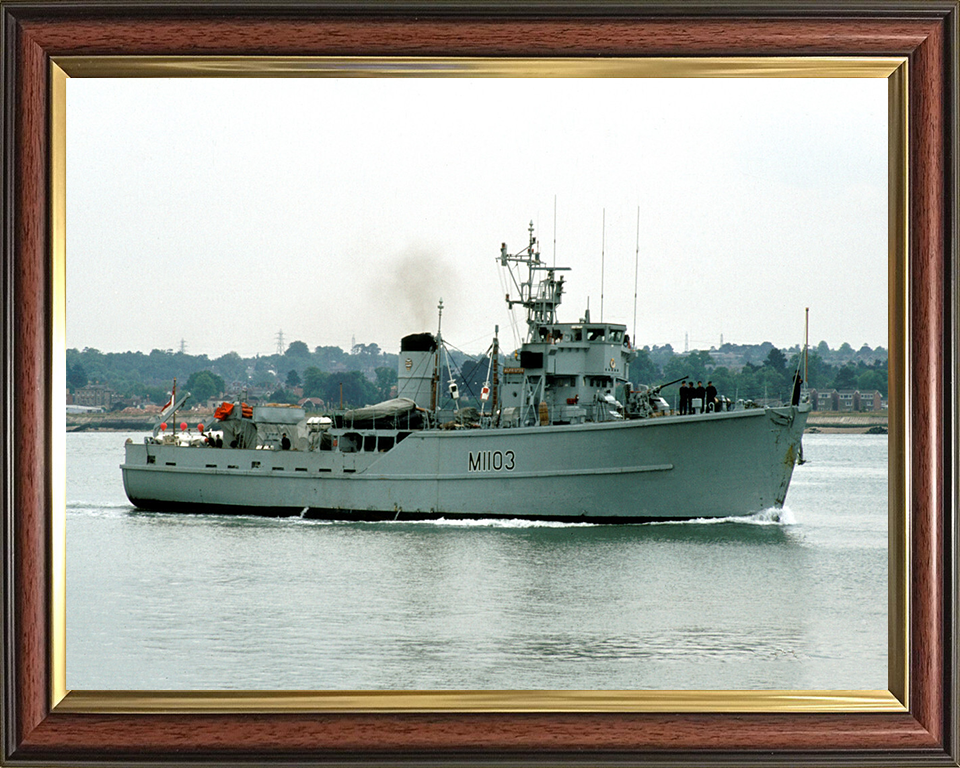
[560, 434]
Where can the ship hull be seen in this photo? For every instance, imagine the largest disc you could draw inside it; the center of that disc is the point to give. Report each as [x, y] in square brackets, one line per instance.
[668, 468]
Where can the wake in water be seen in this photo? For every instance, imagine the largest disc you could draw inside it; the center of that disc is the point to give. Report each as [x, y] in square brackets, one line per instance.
[98, 508]
[492, 522]
[767, 517]
[771, 516]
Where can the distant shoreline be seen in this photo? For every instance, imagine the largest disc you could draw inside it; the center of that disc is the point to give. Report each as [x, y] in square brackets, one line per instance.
[834, 422]
[126, 422]
[826, 422]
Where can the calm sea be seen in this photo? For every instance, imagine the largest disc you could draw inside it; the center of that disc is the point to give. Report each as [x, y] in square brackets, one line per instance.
[795, 600]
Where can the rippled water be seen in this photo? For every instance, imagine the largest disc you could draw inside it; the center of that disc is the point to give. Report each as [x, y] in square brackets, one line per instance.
[793, 600]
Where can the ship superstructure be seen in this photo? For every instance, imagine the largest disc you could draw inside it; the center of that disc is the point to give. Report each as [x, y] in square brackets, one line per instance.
[564, 373]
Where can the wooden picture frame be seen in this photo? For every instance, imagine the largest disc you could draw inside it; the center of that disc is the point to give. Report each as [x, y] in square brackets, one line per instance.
[39, 728]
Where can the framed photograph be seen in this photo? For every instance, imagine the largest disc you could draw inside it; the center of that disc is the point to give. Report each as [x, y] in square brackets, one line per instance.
[794, 160]
[47, 46]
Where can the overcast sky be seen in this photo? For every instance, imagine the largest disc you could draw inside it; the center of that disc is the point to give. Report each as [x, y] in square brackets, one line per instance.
[222, 211]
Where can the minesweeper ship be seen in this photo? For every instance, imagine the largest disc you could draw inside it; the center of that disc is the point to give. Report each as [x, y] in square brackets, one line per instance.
[564, 438]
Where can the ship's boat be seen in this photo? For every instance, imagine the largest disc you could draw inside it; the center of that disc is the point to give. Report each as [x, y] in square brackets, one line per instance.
[559, 434]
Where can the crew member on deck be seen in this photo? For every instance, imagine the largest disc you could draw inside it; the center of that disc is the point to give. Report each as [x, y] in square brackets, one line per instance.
[711, 398]
[699, 393]
[285, 442]
[797, 389]
[684, 398]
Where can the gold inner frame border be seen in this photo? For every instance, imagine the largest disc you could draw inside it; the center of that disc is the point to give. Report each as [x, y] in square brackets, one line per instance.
[895, 699]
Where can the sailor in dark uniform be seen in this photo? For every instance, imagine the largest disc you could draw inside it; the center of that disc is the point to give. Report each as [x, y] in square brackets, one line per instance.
[711, 404]
[797, 389]
[684, 397]
[699, 393]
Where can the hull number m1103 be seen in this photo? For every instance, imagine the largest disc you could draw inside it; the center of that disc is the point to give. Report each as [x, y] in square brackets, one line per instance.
[490, 461]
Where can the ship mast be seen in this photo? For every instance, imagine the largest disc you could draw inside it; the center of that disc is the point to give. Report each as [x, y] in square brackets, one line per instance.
[636, 280]
[603, 251]
[435, 380]
[494, 405]
[539, 296]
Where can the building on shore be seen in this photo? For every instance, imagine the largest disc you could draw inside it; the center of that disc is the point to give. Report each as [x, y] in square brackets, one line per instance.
[824, 400]
[94, 395]
[847, 400]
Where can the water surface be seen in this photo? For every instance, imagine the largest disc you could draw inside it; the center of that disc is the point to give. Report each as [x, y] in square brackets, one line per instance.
[789, 600]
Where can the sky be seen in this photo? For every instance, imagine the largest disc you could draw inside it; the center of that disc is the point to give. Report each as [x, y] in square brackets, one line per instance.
[221, 212]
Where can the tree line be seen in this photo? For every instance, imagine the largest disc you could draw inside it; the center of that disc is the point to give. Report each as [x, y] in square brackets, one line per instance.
[769, 378]
[366, 374]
